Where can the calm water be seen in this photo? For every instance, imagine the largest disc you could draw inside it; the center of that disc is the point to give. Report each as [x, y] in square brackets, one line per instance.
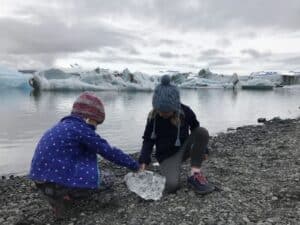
[24, 117]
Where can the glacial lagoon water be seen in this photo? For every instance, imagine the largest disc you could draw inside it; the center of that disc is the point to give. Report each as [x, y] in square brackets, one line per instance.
[25, 116]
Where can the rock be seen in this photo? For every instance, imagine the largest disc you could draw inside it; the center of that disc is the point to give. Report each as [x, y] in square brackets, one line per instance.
[261, 120]
[245, 219]
[274, 198]
[230, 129]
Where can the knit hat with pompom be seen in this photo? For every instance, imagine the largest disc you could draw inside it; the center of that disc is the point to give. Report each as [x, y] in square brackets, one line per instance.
[166, 97]
[88, 105]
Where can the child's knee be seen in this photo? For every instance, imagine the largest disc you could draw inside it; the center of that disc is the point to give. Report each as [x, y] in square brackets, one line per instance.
[172, 186]
[201, 132]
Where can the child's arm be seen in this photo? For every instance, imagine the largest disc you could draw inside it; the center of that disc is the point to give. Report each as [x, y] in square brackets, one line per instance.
[148, 143]
[95, 143]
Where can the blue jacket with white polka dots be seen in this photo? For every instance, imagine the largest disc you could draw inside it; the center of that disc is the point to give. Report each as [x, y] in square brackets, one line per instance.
[67, 155]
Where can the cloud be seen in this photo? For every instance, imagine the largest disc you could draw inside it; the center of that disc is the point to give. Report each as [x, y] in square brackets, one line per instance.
[38, 32]
[295, 60]
[255, 54]
[51, 36]
[223, 42]
[211, 52]
[189, 14]
[168, 55]
[114, 58]
[131, 50]
[219, 62]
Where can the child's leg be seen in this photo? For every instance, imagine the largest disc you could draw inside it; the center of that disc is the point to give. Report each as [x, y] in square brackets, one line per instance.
[195, 146]
[57, 196]
[170, 168]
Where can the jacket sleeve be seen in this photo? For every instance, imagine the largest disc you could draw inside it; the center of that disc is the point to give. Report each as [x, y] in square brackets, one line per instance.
[192, 119]
[148, 143]
[95, 143]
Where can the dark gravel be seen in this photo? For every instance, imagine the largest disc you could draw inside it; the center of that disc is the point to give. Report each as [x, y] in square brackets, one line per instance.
[255, 167]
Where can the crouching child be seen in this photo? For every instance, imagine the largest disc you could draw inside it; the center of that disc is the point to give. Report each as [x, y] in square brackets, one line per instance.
[65, 163]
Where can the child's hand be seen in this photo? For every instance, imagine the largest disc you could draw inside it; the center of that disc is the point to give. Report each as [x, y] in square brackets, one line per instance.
[205, 157]
[143, 166]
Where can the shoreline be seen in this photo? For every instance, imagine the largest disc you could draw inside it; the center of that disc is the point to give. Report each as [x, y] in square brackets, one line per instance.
[256, 168]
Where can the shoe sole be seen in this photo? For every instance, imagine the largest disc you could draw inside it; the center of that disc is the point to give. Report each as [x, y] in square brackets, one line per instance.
[202, 192]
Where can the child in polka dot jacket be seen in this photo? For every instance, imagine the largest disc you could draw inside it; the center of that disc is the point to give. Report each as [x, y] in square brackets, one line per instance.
[65, 159]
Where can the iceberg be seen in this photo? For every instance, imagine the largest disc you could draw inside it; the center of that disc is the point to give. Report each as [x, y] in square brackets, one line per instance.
[274, 77]
[96, 80]
[146, 184]
[10, 78]
[204, 78]
[99, 79]
[104, 79]
[258, 84]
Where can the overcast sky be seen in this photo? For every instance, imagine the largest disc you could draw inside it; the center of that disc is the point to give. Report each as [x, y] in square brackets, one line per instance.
[226, 36]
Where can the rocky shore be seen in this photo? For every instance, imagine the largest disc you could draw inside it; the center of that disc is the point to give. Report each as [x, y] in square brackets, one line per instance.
[257, 170]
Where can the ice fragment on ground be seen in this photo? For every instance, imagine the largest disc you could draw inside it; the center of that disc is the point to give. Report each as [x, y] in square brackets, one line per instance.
[146, 184]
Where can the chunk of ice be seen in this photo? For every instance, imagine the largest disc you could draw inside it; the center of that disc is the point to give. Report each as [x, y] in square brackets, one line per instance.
[146, 184]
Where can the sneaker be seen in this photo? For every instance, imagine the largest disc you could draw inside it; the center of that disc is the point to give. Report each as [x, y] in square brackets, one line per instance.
[200, 184]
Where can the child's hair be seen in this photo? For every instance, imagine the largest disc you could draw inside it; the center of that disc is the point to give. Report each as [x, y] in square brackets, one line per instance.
[175, 118]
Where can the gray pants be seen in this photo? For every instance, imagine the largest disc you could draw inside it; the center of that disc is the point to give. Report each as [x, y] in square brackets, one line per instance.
[195, 148]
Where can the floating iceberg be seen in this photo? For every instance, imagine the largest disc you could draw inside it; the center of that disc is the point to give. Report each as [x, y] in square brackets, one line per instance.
[10, 78]
[258, 84]
[77, 79]
[274, 77]
[97, 80]
[103, 79]
[146, 184]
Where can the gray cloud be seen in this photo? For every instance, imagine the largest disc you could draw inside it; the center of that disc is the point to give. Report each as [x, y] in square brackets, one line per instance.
[295, 60]
[168, 55]
[189, 14]
[210, 14]
[131, 50]
[220, 62]
[211, 52]
[214, 57]
[223, 42]
[25, 61]
[60, 28]
[52, 36]
[123, 59]
[256, 54]
[168, 42]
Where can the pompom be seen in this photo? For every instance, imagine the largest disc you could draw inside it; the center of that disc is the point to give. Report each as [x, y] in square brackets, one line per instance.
[165, 80]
